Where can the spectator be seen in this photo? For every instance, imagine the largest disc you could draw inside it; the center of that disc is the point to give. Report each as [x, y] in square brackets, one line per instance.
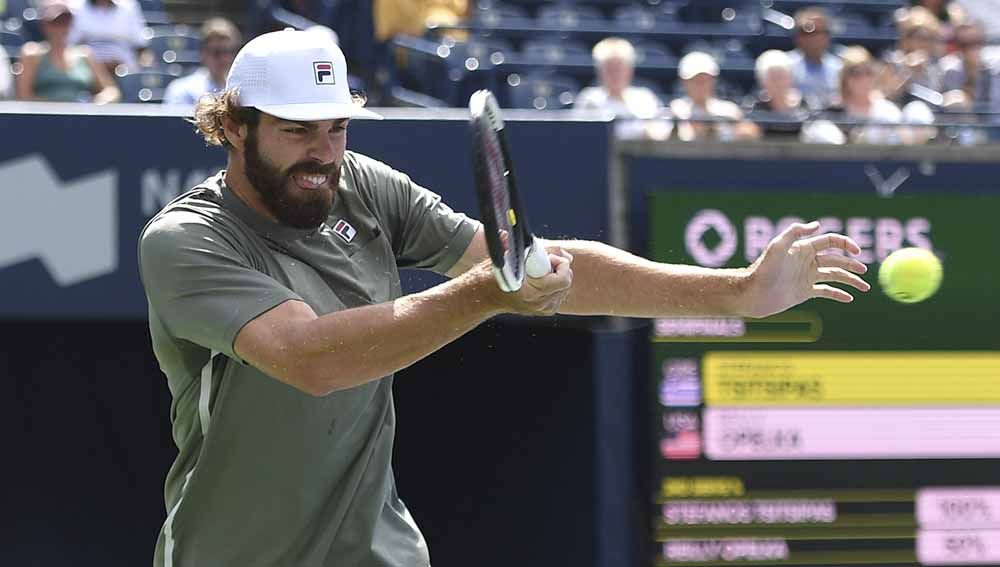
[913, 70]
[815, 68]
[948, 12]
[704, 116]
[777, 106]
[56, 71]
[6, 79]
[614, 60]
[220, 40]
[112, 28]
[861, 101]
[966, 71]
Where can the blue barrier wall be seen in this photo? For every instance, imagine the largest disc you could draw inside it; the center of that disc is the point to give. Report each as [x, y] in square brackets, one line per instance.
[76, 191]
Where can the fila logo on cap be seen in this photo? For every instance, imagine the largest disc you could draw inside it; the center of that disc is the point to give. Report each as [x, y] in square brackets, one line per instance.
[344, 230]
[323, 72]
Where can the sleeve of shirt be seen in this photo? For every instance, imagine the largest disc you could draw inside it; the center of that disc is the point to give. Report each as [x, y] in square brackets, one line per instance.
[425, 232]
[199, 283]
[138, 25]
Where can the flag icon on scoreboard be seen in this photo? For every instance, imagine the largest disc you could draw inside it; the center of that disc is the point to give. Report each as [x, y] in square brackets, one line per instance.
[683, 436]
[681, 384]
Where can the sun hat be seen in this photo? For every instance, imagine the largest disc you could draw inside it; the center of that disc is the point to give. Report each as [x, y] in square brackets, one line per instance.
[295, 75]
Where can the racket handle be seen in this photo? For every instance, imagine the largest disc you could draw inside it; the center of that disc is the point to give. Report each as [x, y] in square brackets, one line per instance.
[537, 263]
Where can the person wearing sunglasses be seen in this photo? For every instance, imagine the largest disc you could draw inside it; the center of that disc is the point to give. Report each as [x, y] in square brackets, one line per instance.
[913, 70]
[57, 71]
[220, 39]
[816, 70]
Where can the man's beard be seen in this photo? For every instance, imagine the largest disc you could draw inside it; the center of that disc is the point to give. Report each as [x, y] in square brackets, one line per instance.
[307, 208]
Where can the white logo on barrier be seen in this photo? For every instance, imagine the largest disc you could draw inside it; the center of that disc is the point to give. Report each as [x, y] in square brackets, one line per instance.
[701, 224]
[71, 227]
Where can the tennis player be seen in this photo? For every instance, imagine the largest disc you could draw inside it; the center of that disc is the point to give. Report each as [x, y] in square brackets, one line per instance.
[276, 313]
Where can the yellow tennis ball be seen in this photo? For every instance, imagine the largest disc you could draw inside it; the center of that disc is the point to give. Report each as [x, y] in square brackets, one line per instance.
[910, 275]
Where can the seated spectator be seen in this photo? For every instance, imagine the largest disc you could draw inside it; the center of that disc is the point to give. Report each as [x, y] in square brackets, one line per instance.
[816, 70]
[220, 40]
[777, 106]
[862, 101]
[948, 12]
[6, 78]
[968, 73]
[56, 71]
[700, 115]
[112, 28]
[913, 69]
[614, 60]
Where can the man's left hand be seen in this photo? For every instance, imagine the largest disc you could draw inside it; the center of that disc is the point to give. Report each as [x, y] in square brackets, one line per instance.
[799, 265]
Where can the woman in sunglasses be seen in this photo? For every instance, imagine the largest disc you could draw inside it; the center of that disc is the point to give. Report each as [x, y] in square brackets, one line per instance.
[56, 71]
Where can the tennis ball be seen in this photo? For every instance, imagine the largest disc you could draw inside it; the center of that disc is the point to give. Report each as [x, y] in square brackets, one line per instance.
[910, 275]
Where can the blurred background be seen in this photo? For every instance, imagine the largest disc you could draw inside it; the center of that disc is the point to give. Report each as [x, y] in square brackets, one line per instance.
[687, 131]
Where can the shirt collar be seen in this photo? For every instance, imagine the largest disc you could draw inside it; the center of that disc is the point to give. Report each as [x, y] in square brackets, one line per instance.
[258, 222]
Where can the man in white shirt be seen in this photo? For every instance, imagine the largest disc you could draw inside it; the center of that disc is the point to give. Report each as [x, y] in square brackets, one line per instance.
[614, 61]
[220, 40]
[113, 29]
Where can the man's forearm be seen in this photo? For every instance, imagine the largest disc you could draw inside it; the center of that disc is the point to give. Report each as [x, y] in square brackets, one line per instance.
[347, 348]
[609, 281]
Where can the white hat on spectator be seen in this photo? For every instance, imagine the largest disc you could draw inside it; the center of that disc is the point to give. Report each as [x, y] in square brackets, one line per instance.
[295, 75]
[696, 63]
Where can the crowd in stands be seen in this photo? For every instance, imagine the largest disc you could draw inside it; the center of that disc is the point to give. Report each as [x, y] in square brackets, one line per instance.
[937, 71]
[940, 69]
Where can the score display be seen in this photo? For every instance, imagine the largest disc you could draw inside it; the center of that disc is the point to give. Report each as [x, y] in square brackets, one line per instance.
[861, 434]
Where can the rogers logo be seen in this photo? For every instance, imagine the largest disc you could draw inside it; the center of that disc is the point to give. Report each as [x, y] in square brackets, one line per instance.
[877, 236]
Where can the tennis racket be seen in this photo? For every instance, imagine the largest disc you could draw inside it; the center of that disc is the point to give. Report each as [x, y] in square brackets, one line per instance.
[513, 248]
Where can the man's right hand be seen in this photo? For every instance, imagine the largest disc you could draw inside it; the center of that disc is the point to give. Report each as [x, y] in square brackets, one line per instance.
[538, 296]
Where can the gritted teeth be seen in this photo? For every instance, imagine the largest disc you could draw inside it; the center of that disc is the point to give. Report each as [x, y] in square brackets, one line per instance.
[313, 179]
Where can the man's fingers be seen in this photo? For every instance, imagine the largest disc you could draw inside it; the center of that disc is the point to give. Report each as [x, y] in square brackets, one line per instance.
[830, 292]
[839, 275]
[828, 241]
[797, 230]
[834, 260]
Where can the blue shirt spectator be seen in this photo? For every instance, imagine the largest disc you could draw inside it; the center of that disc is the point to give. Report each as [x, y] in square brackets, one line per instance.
[220, 40]
[815, 69]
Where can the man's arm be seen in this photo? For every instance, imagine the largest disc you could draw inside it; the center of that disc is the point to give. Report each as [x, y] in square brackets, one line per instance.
[795, 267]
[344, 349]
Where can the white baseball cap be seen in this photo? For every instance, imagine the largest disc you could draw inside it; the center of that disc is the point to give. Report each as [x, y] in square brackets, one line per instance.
[294, 75]
[696, 63]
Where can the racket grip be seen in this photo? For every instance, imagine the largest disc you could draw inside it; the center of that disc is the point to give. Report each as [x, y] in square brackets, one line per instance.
[537, 263]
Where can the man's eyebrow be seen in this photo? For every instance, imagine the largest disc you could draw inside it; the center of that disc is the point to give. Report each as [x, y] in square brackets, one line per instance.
[312, 125]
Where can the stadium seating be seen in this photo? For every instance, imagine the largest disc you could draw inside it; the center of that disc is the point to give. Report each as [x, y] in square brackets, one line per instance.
[570, 16]
[175, 45]
[541, 92]
[144, 86]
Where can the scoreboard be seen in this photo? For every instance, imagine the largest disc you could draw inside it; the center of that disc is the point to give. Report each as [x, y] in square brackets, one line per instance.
[831, 434]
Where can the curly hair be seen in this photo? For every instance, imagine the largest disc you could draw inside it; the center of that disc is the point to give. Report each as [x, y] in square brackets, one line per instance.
[213, 108]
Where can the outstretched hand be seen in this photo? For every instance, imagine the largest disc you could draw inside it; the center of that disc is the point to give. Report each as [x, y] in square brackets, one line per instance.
[799, 265]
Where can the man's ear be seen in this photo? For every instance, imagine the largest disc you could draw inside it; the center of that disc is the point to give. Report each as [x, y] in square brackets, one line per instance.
[236, 134]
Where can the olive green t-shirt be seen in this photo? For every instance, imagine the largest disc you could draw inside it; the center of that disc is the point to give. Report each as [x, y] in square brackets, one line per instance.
[267, 475]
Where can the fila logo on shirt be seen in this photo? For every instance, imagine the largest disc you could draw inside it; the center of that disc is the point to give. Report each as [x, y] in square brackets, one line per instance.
[345, 230]
[323, 73]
